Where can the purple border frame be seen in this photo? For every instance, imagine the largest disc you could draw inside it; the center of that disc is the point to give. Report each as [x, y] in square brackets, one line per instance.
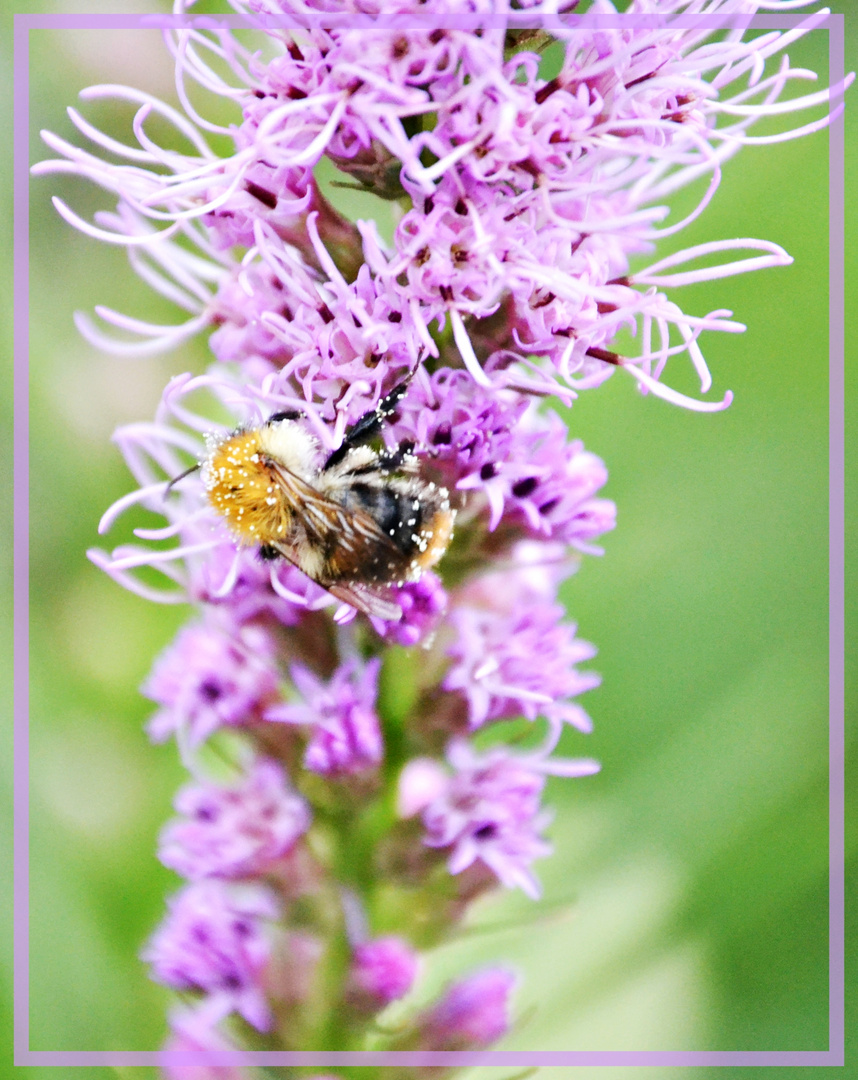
[835, 1055]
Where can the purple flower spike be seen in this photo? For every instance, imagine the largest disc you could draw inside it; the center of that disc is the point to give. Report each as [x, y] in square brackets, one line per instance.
[215, 674]
[530, 202]
[212, 941]
[473, 1012]
[235, 832]
[345, 735]
[383, 970]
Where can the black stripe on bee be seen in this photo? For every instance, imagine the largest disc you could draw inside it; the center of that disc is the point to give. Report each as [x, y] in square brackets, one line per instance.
[398, 514]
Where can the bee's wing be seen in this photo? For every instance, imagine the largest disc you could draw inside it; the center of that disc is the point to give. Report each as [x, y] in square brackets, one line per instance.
[354, 547]
[370, 599]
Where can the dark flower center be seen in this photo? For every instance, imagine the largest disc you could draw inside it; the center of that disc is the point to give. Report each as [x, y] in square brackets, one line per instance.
[210, 690]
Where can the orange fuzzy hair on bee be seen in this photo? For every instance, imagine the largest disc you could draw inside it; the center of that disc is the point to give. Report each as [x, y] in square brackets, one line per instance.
[359, 524]
[242, 481]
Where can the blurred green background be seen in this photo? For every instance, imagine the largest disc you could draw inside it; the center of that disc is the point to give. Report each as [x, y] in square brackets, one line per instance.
[685, 907]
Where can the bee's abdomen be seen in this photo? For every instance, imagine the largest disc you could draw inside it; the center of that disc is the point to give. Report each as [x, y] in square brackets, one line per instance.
[398, 514]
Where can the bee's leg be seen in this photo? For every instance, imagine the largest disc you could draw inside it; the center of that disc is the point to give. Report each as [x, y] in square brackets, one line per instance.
[368, 426]
[397, 460]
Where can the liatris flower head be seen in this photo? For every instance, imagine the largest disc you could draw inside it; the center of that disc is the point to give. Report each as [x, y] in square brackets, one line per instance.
[382, 970]
[513, 655]
[215, 674]
[214, 941]
[340, 713]
[472, 1013]
[487, 810]
[423, 604]
[235, 831]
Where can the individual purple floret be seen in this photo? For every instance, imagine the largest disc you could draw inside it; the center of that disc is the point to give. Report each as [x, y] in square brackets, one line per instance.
[554, 492]
[473, 1012]
[258, 590]
[212, 940]
[382, 971]
[273, 195]
[519, 661]
[345, 736]
[238, 831]
[489, 809]
[423, 604]
[421, 782]
[466, 428]
[489, 442]
[215, 674]
[243, 302]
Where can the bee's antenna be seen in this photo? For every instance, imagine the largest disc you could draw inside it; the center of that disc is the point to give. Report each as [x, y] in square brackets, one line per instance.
[181, 476]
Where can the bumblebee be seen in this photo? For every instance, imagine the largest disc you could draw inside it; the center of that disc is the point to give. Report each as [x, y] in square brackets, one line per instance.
[359, 524]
